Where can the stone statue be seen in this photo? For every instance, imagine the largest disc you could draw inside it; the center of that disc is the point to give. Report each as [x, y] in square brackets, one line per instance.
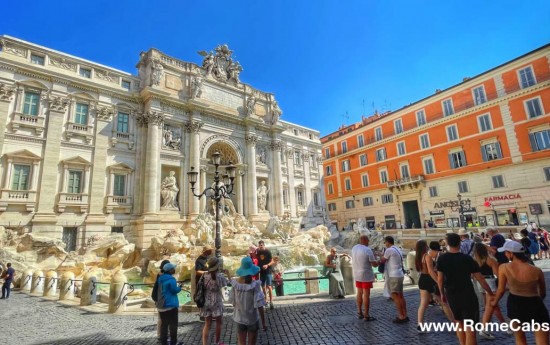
[169, 191]
[233, 70]
[262, 196]
[261, 156]
[275, 113]
[196, 87]
[171, 139]
[208, 62]
[250, 104]
[156, 72]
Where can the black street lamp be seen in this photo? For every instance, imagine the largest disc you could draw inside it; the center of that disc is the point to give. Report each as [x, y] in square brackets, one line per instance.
[459, 207]
[219, 190]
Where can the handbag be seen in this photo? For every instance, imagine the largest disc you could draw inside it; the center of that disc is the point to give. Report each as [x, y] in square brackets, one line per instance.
[382, 267]
[200, 295]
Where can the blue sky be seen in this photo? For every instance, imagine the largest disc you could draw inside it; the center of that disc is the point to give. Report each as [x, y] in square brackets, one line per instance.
[322, 59]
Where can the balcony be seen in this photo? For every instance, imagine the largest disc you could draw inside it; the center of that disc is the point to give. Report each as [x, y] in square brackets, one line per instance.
[27, 198]
[21, 120]
[77, 200]
[77, 130]
[124, 138]
[401, 184]
[123, 203]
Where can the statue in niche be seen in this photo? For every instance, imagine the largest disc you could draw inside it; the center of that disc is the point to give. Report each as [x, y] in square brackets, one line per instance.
[172, 139]
[275, 113]
[262, 196]
[261, 156]
[169, 191]
[156, 72]
[196, 91]
[250, 104]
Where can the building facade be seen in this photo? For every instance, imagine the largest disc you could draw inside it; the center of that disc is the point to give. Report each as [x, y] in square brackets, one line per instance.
[475, 153]
[88, 149]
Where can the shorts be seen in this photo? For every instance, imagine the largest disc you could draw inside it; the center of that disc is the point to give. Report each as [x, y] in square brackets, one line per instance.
[248, 328]
[425, 282]
[266, 278]
[464, 307]
[395, 284]
[363, 285]
[526, 309]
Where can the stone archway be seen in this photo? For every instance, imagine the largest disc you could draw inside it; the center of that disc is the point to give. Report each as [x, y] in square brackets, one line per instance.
[227, 146]
[228, 154]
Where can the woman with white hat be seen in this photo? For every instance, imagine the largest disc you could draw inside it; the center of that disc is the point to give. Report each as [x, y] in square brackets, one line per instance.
[249, 301]
[527, 292]
[214, 281]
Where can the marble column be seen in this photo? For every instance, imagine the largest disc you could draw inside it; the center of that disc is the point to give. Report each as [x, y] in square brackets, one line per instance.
[151, 193]
[251, 140]
[277, 187]
[308, 197]
[95, 221]
[193, 127]
[291, 185]
[239, 189]
[45, 220]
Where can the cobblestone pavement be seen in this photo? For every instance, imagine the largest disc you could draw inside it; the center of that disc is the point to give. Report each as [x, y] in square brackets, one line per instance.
[27, 320]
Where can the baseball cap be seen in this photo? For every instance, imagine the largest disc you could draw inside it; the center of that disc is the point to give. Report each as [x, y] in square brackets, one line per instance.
[511, 246]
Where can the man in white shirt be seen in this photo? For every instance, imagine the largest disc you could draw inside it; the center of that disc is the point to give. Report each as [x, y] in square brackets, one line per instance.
[363, 260]
[393, 258]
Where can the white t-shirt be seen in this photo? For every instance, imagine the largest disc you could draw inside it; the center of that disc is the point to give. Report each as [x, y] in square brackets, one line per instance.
[394, 264]
[362, 256]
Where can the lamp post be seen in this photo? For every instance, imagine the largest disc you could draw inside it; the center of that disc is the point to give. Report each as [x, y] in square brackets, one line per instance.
[460, 208]
[220, 189]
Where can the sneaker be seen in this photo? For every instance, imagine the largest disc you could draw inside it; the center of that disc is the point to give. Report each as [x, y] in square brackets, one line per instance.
[419, 330]
[486, 335]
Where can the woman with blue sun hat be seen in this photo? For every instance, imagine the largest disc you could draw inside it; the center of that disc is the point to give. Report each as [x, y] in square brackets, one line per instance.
[248, 301]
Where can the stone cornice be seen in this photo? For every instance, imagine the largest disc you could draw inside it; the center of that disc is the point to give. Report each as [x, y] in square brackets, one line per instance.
[24, 138]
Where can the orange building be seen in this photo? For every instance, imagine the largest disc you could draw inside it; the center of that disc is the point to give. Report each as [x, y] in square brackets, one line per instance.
[477, 153]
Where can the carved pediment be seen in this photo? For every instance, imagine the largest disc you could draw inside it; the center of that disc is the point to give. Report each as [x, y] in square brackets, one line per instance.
[77, 160]
[23, 154]
[120, 167]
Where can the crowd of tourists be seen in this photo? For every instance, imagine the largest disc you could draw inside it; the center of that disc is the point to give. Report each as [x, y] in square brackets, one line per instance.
[453, 272]
[251, 291]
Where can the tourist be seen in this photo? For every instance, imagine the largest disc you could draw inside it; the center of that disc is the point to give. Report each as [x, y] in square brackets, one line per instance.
[443, 245]
[265, 261]
[455, 284]
[278, 271]
[534, 237]
[544, 243]
[168, 304]
[7, 275]
[331, 269]
[254, 256]
[248, 301]
[214, 282]
[525, 242]
[431, 261]
[362, 262]
[496, 241]
[527, 290]
[154, 293]
[393, 258]
[488, 267]
[466, 243]
[201, 267]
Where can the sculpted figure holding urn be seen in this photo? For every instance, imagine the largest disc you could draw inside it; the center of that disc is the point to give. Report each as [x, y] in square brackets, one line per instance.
[262, 196]
[169, 191]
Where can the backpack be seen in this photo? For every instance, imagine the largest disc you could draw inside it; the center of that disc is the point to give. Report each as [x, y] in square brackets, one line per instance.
[200, 293]
[154, 293]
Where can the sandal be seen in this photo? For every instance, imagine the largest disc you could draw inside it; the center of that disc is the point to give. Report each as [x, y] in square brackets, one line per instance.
[370, 318]
[360, 315]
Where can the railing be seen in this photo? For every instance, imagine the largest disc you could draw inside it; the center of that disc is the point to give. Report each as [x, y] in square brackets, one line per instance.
[433, 117]
[416, 179]
[72, 199]
[31, 121]
[123, 136]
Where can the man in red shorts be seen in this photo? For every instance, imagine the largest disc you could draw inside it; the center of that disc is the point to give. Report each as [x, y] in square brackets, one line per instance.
[363, 260]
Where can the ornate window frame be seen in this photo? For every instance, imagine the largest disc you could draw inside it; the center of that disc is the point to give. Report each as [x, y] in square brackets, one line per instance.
[124, 138]
[76, 130]
[21, 122]
[26, 197]
[78, 200]
[122, 202]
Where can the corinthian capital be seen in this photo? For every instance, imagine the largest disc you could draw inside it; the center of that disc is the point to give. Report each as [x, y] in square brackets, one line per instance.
[251, 139]
[58, 103]
[6, 92]
[193, 126]
[154, 117]
[141, 120]
[276, 145]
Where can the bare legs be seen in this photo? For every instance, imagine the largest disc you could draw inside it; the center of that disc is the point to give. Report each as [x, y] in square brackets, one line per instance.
[400, 304]
[242, 336]
[363, 300]
[206, 329]
[425, 297]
